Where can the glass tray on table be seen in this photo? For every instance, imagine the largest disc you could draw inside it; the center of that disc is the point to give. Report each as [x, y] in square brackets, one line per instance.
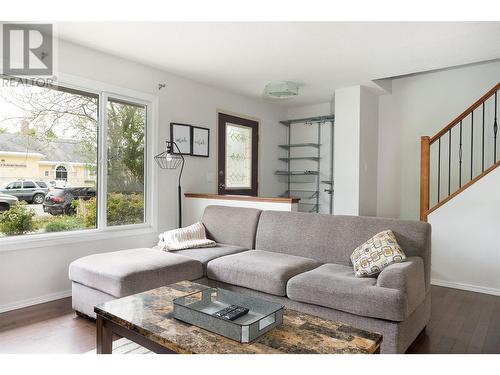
[198, 309]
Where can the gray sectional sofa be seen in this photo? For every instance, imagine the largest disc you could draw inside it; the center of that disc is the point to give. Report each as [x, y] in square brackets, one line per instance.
[300, 260]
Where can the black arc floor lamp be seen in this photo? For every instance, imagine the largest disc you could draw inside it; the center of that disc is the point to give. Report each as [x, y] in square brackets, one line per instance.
[170, 160]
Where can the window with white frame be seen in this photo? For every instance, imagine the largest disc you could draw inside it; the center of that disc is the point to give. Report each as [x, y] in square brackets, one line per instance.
[126, 132]
[72, 130]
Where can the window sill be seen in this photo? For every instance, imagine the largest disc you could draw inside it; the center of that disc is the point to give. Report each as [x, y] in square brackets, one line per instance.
[33, 241]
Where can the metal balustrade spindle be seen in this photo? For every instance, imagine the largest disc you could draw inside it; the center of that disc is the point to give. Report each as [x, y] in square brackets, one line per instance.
[460, 158]
[495, 130]
[471, 144]
[482, 153]
[449, 161]
[439, 166]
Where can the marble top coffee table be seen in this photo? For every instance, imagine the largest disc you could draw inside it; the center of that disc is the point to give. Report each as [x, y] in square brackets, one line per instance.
[146, 318]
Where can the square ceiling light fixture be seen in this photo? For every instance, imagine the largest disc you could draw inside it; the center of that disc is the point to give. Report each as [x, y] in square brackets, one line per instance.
[281, 90]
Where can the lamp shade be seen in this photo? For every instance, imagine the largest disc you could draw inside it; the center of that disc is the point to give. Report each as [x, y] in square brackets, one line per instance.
[167, 159]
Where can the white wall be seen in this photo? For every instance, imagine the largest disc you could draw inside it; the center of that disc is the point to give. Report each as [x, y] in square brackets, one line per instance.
[346, 150]
[368, 149]
[320, 109]
[40, 273]
[419, 105]
[466, 238]
[302, 133]
[355, 151]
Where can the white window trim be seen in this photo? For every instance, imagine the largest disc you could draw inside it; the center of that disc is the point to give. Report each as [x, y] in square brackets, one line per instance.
[103, 232]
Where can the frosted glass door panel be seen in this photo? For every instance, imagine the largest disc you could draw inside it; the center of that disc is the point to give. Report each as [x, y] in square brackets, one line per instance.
[238, 157]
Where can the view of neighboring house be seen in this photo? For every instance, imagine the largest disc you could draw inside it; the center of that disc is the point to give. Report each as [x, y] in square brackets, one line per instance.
[24, 157]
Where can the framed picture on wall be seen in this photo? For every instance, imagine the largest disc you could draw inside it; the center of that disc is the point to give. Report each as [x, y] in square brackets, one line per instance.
[200, 141]
[181, 134]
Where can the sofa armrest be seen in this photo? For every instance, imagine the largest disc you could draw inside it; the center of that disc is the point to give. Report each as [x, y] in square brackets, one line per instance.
[407, 277]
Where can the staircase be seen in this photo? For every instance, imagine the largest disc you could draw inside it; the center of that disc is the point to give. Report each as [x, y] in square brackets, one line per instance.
[460, 154]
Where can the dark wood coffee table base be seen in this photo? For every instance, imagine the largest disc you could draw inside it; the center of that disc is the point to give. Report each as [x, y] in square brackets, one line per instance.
[146, 318]
[105, 330]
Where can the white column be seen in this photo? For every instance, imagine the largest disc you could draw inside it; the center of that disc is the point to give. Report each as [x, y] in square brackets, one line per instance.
[355, 151]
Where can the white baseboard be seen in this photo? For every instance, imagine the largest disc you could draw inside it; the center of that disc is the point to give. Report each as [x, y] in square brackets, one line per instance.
[34, 301]
[469, 287]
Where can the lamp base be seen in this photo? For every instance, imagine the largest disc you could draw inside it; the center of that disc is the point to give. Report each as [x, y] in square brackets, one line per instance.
[179, 198]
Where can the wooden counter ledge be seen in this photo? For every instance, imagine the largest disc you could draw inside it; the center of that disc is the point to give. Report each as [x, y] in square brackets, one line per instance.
[243, 198]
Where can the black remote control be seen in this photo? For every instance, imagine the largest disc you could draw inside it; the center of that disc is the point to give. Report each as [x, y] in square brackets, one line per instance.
[236, 313]
[225, 311]
[231, 312]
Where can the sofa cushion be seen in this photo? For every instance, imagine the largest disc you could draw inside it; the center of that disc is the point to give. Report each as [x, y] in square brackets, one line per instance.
[260, 270]
[121, 273]
[335, 286]
[380, 251]
[205, 255]
[231, 225]
[332, 238]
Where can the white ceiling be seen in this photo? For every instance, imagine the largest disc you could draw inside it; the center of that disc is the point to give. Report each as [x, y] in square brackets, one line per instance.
[320, 56]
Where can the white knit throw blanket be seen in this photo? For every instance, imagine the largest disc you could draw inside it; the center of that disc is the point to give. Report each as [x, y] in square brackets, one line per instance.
[190, 237]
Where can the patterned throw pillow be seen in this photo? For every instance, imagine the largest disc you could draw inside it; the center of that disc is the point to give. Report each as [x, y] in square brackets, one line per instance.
[374, 255]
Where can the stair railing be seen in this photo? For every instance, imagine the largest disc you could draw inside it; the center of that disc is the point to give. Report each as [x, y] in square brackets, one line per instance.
[457, 146]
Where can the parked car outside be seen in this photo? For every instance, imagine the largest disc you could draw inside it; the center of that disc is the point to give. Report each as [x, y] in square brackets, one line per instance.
[58, 183]
[30, 191]
[6, 201]
[58, 200]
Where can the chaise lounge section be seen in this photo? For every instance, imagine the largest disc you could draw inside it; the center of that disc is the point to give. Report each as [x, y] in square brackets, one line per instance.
[103, 277]
[300, 260]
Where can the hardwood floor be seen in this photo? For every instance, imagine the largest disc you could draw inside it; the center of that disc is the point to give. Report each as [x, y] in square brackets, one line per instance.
[461, 322]
[51, 327]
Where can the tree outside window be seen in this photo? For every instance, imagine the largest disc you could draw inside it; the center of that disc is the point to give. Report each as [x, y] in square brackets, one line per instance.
[59, 125]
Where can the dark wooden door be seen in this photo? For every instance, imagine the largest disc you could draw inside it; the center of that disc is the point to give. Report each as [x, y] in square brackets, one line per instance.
[238, 155]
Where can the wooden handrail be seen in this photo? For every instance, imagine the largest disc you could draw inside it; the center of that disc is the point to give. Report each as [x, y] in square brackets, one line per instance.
[425, 144]
[425, 147]
[465, 113]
